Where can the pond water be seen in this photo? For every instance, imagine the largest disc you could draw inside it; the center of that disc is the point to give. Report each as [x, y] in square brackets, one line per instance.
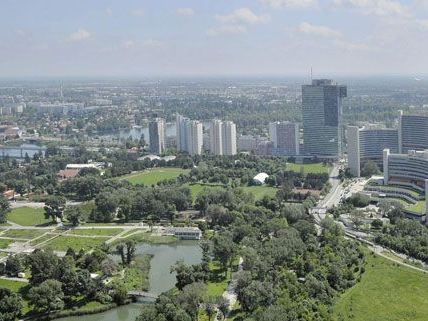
[161, 280]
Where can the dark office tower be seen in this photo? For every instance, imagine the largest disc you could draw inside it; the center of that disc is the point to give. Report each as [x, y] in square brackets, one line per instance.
[322, 118]
[413, 132]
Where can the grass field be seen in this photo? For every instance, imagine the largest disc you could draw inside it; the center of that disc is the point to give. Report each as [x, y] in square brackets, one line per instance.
[97, 231]
[419, 207]
[260, 191]
[62, 243]
[387, 292]
[257, 191]
[14, 286]
[153, 176]
[5, 243]
[27, 216]
[308, 168]
[147, 237]
[23, 234]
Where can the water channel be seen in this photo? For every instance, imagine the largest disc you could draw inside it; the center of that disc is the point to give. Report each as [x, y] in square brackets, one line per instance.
[161, 280]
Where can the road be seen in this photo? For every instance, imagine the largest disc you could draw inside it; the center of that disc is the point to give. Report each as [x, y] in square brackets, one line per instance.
[333, 199]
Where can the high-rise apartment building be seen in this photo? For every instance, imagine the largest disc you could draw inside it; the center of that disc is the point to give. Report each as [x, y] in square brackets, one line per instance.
[223, 137]
[322, 117]
[413, 132]
[285, 138]
[366, 144]
[189, 135]
[180, 133]
[229, 138]
[157, 135]
[216, 142]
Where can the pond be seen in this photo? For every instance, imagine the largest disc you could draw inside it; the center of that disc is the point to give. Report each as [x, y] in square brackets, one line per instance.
[161, 280]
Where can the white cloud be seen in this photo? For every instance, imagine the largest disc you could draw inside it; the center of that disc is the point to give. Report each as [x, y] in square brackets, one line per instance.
[351, 46]
[152, 43]
[316, 30]
[137, 12]
[79, 35]
[226, 30]
[375, 7]
[109, 12]
[129, 44]
[187, 12]
[290, 3]
[243, 15]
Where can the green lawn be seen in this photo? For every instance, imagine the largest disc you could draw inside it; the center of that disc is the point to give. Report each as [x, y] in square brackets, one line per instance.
[257, 191]
[308, 168]
[27, 216]
[97, 231]
[153, 176]
[195, 189]
[5, 243]
[24, 234]
[419, 207]
[62, 243]
[136, 277]
[14, 286]
[387, 292]
[260, 191]
[147, 237]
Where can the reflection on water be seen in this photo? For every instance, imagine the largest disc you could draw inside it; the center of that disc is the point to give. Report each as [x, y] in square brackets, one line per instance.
[161, 280]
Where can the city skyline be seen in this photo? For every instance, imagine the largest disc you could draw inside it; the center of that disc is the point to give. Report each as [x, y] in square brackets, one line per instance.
[193, 38]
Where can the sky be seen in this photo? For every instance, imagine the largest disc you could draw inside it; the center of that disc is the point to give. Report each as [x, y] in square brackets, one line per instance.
[145, 38]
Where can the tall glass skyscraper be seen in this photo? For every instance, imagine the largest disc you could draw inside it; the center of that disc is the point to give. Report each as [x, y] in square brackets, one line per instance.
[322, 117]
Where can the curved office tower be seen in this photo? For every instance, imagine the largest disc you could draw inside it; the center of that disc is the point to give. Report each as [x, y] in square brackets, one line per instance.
[322, 118]
[366, 144]
[413, 132]
[409, 169]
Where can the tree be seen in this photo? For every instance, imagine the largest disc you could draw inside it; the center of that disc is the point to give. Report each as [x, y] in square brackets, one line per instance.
[107, 204]
[356, 218]
[14, 265]
[47, 296]
[10, 305]
[369, 169]
[120, 294]
[285, 192]
[4, 208]
[73, 214]
[54, 207]
[120, 248]
[130, 251]
[211, 306]
[109, 267]
[224, 249]
[191, 297]
[43, 265]
[223, 306]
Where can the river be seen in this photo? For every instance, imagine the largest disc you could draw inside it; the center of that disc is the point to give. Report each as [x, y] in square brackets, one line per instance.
[161, 280]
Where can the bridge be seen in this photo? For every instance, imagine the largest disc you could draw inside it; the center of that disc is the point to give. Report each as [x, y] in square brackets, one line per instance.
[144, 294]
